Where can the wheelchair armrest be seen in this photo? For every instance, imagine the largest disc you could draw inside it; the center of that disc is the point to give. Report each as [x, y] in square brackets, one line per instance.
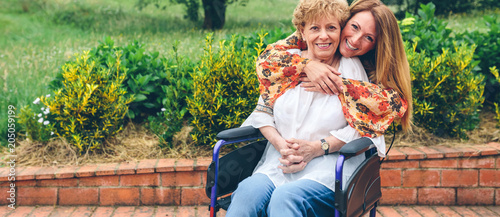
[355, 147]
[240, 133]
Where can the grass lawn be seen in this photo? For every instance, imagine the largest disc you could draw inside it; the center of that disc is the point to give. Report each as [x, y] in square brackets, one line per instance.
[38, 36]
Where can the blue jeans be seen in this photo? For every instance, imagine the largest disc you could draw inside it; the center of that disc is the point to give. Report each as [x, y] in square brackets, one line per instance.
[256, 196]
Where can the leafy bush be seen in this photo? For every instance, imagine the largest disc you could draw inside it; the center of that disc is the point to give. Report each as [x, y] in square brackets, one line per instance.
[447, 96]
[495, 73]
[36, 126]
[427, 32]
[225, 89]
[90, 105]
[175, 110]
[253, 40]
[488, 52]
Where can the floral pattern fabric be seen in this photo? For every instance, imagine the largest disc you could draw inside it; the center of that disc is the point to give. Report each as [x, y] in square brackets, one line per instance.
[367, 107]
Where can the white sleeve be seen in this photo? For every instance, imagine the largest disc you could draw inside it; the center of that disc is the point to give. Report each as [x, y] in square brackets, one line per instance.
[348, 134]
[259, 119]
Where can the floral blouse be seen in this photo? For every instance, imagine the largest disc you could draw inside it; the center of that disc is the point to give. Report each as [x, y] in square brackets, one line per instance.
[367, 107]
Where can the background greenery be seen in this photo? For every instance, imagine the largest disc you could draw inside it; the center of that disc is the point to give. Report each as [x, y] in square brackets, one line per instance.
[41, 35]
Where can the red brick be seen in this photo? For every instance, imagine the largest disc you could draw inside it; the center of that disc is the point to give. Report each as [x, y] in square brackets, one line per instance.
[494, 145]
[99, 181]
[152, 179]
[459, 178]
[119, 196]
[145, 211]
[429, 152]
[202, 163]
[83, 211]
[181, 179]
[106, 169]
[186, 212]
[66, 172]
[126, 168]
[184, 165]
[482, 211]
[57, 182]
[497, 162]
[487, 150]
[468, 152]
[395, 154]
[475, 196]
[26, 183]
[194, 196]
[412, 153]
[446, 211]
[86, 171]
[388, 211]
[407, 211]
[163, 211]
[5, 209]
[78, 196]
[10, 172]
[436, 196]
[421, 178]
[203, 211]
[103, 211]
[124, 211]
[390, 178]
[465, 211]
[46, 173]
[495, 209]
[27, 196]
[63, 211]
[489, 178]
[146, 166]
[446, 163]
[165, 165]
[27, 173]
[470, 163]
[447, 151]
[427, 211]
[400, 164]
[22, 211]
[160, 196]
[5, 195]
[497, 196]
[397, 196]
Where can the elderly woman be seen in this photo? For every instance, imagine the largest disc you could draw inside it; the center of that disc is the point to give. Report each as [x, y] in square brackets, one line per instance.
[306, 122]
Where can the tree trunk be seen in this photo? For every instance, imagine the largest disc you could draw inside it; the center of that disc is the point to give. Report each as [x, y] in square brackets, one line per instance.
[215, 14]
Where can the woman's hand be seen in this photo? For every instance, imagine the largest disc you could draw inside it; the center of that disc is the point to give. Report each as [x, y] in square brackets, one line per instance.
[323, 77]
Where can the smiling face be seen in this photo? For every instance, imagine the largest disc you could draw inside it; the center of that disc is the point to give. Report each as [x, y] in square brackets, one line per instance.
[359, 35]
[322, 37]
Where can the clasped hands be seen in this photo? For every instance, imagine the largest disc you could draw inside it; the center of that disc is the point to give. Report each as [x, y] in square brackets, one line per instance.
[296, 155]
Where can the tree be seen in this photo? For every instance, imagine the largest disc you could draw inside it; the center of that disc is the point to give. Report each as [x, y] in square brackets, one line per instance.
[215, 10]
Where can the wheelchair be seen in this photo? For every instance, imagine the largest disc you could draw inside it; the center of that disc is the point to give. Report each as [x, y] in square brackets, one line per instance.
[224, 173]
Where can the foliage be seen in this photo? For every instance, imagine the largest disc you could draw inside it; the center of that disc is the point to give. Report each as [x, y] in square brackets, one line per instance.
[225, 89]
[175, 110]
[428, 32]
[447, 96]
[150, 78]
[36, 126]
[90, 105]
[444, 7]
[488, 51]
[494, 71]
[253, 40]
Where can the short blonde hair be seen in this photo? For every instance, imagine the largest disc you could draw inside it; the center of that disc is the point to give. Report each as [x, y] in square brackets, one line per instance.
[310, 10]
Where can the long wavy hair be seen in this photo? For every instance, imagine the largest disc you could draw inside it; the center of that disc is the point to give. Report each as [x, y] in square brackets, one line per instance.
[387, 63]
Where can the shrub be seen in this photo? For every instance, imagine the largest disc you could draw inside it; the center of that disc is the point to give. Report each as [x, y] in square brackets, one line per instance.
[447, 96]
[494, 71]
[488, 52]
[36, 126]
[225, 89]
[90, 105]
[175, 110]
[149, 78]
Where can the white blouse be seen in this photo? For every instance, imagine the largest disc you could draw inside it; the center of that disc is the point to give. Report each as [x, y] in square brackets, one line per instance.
[311, 116]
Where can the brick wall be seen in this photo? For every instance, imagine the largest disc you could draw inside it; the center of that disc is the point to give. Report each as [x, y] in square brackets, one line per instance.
[423, 175]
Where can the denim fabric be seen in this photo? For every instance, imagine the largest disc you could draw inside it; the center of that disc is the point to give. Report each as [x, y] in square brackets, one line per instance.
[256, 196]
